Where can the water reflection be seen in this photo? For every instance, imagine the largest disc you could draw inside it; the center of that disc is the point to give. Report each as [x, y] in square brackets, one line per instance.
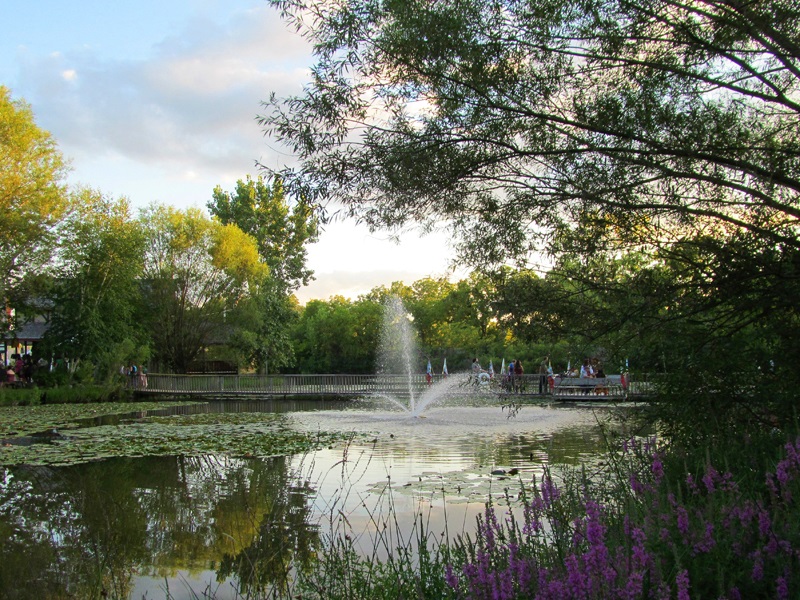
[85, 531]
[223, 527]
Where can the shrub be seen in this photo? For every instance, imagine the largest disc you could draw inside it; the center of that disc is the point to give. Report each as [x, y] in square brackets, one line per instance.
[84, 394]
[664, 536]
[19, 396]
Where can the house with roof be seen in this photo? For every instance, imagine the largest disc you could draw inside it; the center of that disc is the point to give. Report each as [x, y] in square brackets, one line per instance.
[21, 338]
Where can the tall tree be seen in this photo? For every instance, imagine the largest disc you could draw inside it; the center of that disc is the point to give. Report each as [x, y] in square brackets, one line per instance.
[281, 231]
[196, 270]
[96, 293]
[264, 319]
[32, 194]
[512, 118]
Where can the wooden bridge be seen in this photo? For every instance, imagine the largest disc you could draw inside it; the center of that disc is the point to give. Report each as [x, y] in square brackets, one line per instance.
[351, 386]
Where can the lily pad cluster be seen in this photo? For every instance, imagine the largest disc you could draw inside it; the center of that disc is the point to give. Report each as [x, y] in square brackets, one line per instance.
[20, 421]
[234, 434]
[463, 486]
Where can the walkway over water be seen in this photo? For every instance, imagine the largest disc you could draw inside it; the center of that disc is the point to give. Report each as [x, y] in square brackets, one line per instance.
[217, 386]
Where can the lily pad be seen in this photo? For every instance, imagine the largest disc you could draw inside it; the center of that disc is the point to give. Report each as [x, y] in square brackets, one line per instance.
[20, 421]
[459, 487]
[235, 434]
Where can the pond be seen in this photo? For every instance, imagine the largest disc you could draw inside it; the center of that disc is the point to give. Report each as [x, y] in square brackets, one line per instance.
[189, 501]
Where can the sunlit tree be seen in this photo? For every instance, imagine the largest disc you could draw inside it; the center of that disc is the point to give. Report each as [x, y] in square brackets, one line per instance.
[195, 271]
[281, 229]
[96, 291]
[32, 193]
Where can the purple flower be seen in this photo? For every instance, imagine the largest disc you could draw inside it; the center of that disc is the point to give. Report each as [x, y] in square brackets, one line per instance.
[683, 521]
[450, 577]
[710, 478]
[682, 581]
[550, 493]
[708, 542]
[636, 485]
[782, 588]
[757, 574]
[764, 522]
[657, 468]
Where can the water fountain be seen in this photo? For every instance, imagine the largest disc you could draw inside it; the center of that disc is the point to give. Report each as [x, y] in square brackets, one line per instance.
[398, 354]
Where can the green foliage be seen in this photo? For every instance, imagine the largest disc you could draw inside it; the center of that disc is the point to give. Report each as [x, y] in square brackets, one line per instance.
[280, 230]
[649, 149]
[195, 270]
[338, 336]
[262, 321]
[64, 394]
[19, 396]
[96, 294]
[513, 121]
[32, 194]
[261, 328]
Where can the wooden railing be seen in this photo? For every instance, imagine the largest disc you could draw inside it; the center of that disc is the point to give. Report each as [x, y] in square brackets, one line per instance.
[295, 385]
[365, 385]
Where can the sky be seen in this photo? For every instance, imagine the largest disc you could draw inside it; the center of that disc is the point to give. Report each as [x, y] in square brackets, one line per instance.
[157, 101]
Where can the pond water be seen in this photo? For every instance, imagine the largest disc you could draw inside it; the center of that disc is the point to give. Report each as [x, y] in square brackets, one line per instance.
[223, 525]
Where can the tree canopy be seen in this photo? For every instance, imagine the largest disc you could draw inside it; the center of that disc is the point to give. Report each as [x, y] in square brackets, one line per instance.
[195, 271]
[280, 230]
[634, 120]
[96, 291]
[32, 193]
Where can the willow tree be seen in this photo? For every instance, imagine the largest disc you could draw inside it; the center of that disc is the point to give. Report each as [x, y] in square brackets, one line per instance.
[570, 127]
[510, 118]
[588, 129]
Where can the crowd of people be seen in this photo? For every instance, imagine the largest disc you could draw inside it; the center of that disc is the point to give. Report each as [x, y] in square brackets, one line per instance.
[135, 376]
[18, 371]
[512, 378]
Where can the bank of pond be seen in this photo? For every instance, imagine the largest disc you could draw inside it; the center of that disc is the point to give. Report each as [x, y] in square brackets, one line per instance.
[265, 498]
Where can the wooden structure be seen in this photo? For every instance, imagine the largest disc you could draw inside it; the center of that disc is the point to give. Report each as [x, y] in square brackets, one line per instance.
[397, 386]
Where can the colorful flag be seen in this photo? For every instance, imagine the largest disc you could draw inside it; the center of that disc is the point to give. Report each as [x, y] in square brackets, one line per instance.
[491, 370]
[444, 368]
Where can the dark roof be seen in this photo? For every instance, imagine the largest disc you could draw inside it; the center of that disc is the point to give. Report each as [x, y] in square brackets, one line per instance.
[30, 332]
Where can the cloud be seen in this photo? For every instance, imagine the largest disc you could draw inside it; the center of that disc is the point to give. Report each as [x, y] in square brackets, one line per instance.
[190, 105]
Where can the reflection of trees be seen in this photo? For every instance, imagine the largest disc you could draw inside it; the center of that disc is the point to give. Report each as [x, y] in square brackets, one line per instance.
[25, 552]
[284, 539]
[83, 531]
[75, 531]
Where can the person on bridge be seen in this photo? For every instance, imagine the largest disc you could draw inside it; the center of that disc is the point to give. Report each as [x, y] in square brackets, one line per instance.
[519, 371]
[543, 375]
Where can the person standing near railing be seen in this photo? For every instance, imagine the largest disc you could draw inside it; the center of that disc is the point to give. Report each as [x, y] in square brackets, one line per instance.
[543, 375]
[476, 370]
[519, 371]
[586, 372]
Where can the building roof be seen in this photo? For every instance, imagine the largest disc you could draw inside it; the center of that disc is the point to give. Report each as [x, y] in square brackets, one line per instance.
[29, 332]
